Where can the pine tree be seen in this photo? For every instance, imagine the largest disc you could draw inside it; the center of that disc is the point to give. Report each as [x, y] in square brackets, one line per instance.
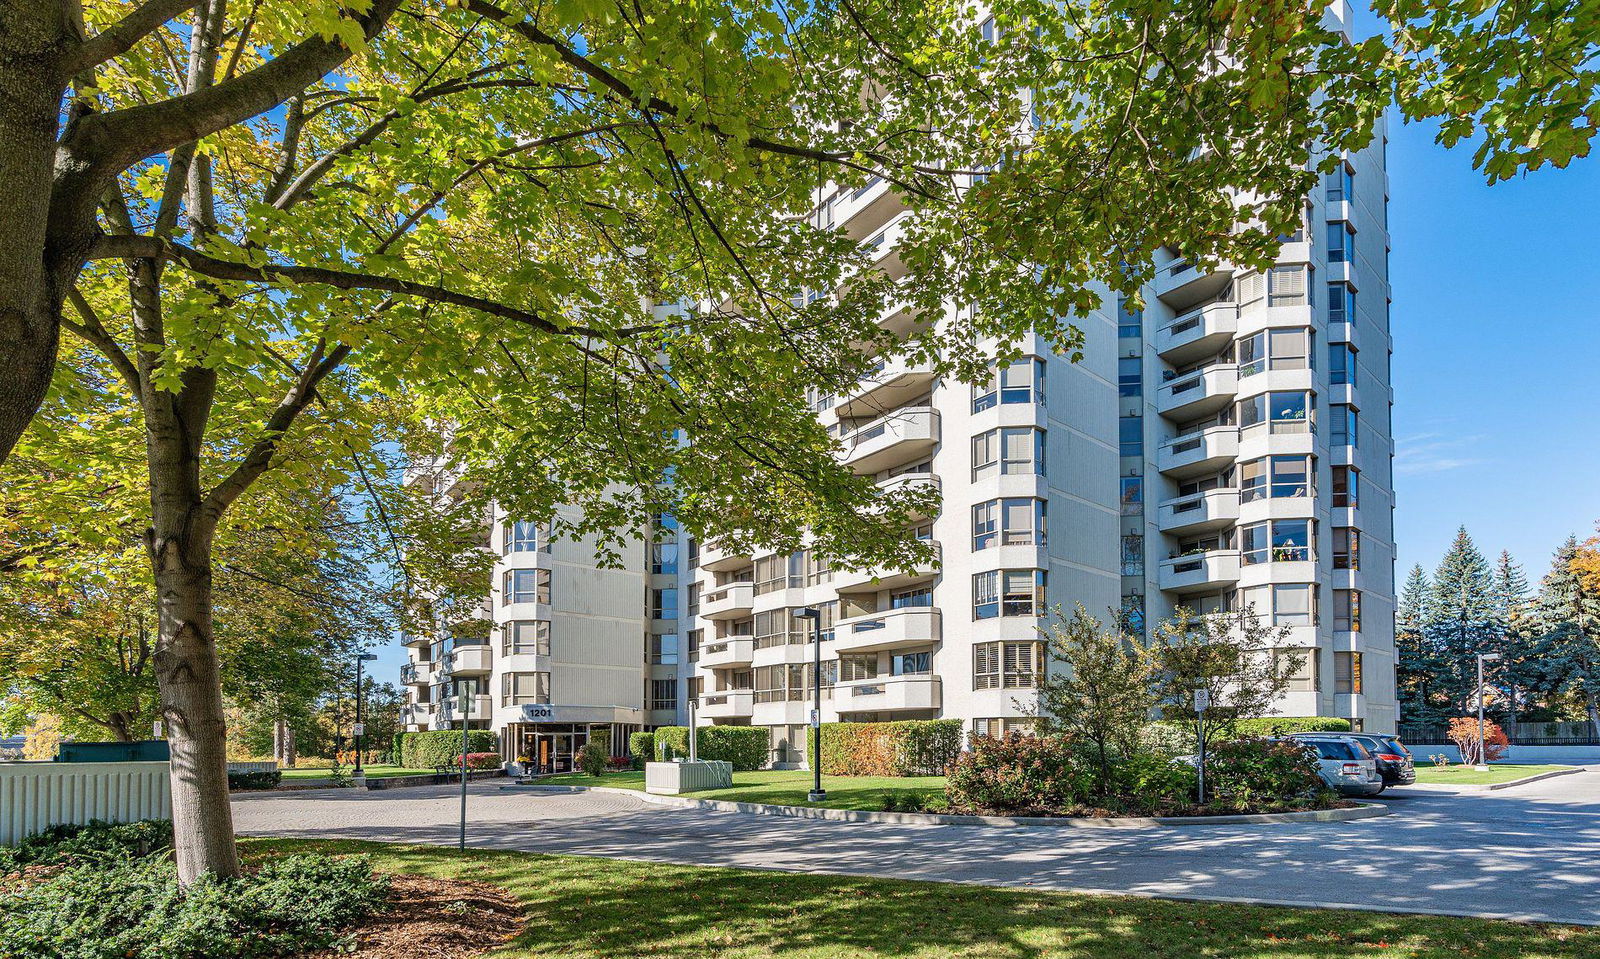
[1566, 623]
[1417, 666]
[1463, 619]
[1519, 665]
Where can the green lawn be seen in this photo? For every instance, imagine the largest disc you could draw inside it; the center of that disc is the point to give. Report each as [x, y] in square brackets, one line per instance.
[587, 908]
[1467, 776]
[375, 771]
[783, 788]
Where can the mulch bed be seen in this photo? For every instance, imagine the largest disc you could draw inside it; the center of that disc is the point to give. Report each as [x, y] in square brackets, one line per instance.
[435, 919]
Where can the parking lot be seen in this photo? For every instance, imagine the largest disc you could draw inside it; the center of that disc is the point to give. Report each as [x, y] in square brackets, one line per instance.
[1523, 853]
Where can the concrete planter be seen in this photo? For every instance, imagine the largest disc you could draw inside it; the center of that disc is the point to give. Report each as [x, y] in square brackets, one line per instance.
[670, 779]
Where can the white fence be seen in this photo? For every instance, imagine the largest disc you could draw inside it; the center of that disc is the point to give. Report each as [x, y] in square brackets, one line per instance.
[37, 795]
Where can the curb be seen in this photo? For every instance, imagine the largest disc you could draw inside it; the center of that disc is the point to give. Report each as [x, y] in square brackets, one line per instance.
[1364, 811]
[1533, 779]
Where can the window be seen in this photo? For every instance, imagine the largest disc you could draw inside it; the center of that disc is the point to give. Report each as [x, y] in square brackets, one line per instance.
[1341, 243]
[664, 603]
[697, 638]
[1347, 610]
[1287, 286]
[664, 558]
[1278, 541]
[1305, 679]
[911, 664]
[1347, 672]
[522, 637]
[1130, 376]
[1341, 185]
[1345, 432]
[1341, 303]
[1132, 554]
[692, 603]
[1132, 495]
[779, 627]
[1275, 350]
[525, 586]
[989, 30]
[519, 688]
[1017, 521]
[1130, 434]
[1346, 547]
[663, 694]
[1341, 364]
[1293, 604]
[1021, 381]
[853, 667]
[1008, 592]
[1000, 728]
[525, 537]
[1346, 486]
[1276, 477]
[818, 570]
[1006, 665]
[911, 598]
[1285, 412]
[771, 573]
[1008, 451]
[1130, 321]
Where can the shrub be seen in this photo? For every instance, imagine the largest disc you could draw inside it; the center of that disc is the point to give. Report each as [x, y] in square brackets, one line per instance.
[1284, 725]
[262, 779]
[479, 761]
[918, 747]
[442, 747]
[643, 746]
[592, 759]
[136, 910]
[93, 841]
[1149, 783]
[1248, 772]
[1017, 775]
[745, 747]
[1464, 733]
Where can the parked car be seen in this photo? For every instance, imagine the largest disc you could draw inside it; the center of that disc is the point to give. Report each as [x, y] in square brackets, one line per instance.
[1346, 765]
[1394, 759]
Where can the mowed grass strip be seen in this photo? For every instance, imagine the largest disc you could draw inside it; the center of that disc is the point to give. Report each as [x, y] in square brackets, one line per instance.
[1467, 776]
[590, 908]
[783, 787]
[375, 771]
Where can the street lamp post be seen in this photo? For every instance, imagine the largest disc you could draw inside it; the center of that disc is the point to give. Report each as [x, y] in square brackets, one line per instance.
[360, 730]
[1483, 757]
[817, 794]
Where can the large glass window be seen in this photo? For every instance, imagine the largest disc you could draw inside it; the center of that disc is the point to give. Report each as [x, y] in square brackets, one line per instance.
[664, 603]
[522, 637]
[525, 586]
[661, 650]
[1347, 673]
[1285, 412]
[1277, 541]
[1345, 431]
[664, 558]
[1275, 350]
[1016, 521]
[1130, 434]
[1341, 185]
[1341, 364]
[521, 536]
[1341, 243]
[1130, 376]
[911, 664]
[1006, 665]
[1021, 381]
[1346, 547]
[519, 688]
[1341, 303]
[1008, 592]
[1347, 610]
[1132, 495]
[1288, 286]
[911, 598]
[1007, 451]
[1346, 486]
[857, 666]
[1277, 477]
[1130, 322]
[1306, 678]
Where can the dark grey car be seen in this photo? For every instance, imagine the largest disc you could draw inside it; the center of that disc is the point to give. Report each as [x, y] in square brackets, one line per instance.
[1394, 759]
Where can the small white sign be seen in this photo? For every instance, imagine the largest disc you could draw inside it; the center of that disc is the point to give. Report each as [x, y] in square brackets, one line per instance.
[1202, 700]
[816, 719]
[360, 730]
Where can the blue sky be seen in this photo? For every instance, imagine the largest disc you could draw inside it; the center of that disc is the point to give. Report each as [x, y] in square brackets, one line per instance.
[1496, 344]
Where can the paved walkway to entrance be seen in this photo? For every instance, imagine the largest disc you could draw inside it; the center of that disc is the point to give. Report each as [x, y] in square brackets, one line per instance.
[1527, 853]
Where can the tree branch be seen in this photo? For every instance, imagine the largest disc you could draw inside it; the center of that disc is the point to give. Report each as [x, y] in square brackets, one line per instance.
[95, 333]
[124, 34]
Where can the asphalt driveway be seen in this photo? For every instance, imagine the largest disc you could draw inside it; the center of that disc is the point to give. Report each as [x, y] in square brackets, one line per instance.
[1530, 853]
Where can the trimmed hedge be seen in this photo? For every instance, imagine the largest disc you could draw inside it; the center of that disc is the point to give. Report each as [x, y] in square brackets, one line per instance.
[1176, 738]
[643, 747]
[746, 747]
[442, 747]
[911, 747]
[260, 779]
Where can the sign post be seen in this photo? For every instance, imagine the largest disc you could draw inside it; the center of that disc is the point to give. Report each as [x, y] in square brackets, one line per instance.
[464, 702]
[1202, 702]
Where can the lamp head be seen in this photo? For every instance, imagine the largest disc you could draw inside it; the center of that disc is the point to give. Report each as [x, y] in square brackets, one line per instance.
[808, 612]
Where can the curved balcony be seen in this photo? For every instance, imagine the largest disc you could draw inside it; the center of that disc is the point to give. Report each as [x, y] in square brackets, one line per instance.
[890, 385]
[1203, 512]
[888, 694]
[416, 714]
[480, 706]
[721, 560]
[471, 660]
[414, 674]
[1199, 333]
[872, 580]
[1200, 572]
[903, 436]
[1181, 285]
[892, 629]
[1199, 393]
[723, 653]
[1196, 454]
[727, 704]
[860, 212]
[913, 481]
[733, 601]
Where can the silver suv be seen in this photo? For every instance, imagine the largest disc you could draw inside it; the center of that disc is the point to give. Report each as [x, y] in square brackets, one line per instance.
[1346, 765]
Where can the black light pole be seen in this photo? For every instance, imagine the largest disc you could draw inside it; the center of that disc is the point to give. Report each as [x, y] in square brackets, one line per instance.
[359, 730]
[817, 794]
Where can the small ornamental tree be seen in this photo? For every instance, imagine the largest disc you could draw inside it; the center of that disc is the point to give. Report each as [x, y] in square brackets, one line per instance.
[1464, 733]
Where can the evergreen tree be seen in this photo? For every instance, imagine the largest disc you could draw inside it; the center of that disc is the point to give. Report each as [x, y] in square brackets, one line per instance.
[1519, 668]
[1566, 623]
[1417, 666]
[1463, 620]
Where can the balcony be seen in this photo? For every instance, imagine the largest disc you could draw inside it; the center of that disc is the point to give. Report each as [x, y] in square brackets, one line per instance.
[1199, 453]
[416, 714]
[414, 642]
[903, 436]
[872, 580]
[723, 653]
[890, 385]
[1197, 334]
[1202, 512]
[478, 707]
[892, 629]
[415, 674]
[718, 560]
[1199, 393]
[1200, 572]
[860, 212]
[884, 244]
[728, 704]
[733, 601]
[1182, 286]
[471, 660]
[913, 481]
[887, 694]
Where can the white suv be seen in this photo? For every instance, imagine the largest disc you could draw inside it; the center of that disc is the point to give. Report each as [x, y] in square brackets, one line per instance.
[1346, 765]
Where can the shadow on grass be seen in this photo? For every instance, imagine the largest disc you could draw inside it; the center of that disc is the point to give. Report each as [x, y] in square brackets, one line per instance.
[584, 907]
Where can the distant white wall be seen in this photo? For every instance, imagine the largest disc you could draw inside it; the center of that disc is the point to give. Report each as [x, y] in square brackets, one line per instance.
[37, 795]
[1568, 755]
